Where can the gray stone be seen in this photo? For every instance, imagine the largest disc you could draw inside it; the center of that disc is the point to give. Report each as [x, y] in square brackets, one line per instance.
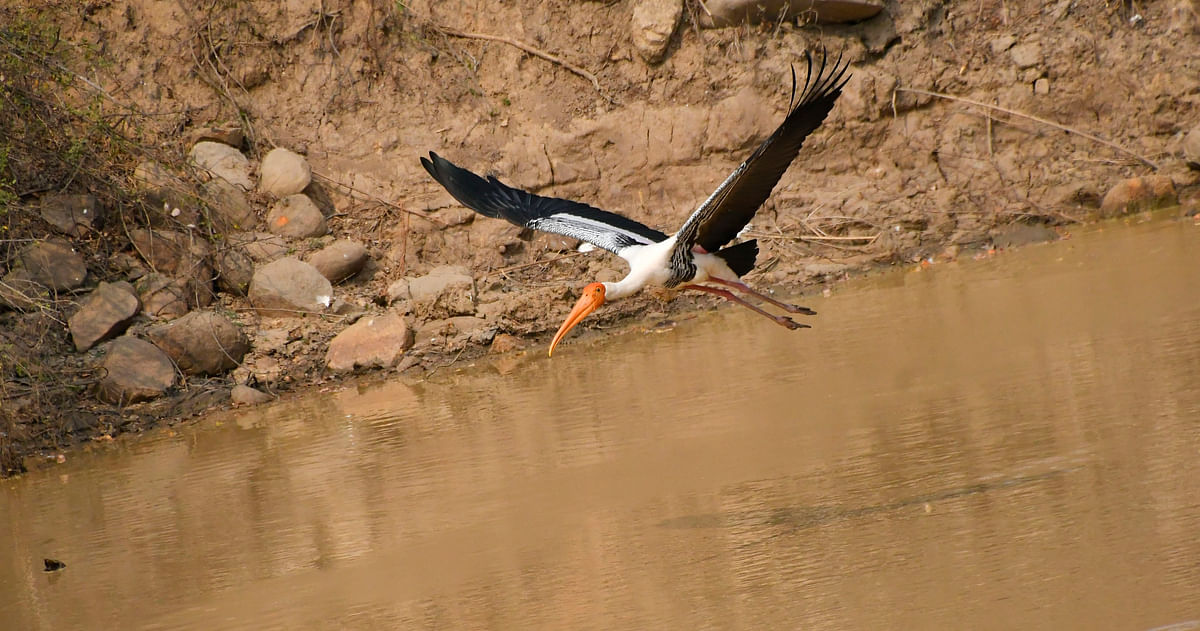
[201, 343]
[222, 161]
[296, 216]
[1139, 193]
[289, 287]
[260, 246]
[245, 395]
[73, 215]
[443, 292]
[230, 210]
[371, 342]
[654, 22]
[235, 270]
[103, 314]
[134, 370]
[284, 173]
[162, 296]
[339, 260]
[1191, 147]
[1026, 55]
[53, 264]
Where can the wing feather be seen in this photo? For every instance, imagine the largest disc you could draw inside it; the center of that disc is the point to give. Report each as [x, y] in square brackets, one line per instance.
[727, 211]
[492, 198]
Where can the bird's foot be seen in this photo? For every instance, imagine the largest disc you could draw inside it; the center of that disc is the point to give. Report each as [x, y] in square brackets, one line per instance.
[790, 323]
[790, 308]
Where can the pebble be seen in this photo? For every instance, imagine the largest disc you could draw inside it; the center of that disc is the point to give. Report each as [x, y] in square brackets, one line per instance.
[222, 161]
[284, 173]
[103, 314]
[296, 216]
[134, 370]
[339, 260]
[654, 22]
[201, 343]
[289, 288]
[245, 395]
[371, 342]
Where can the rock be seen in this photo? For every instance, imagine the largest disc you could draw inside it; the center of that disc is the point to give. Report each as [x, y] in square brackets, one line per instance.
[505, 343]
[168, 194]
[1191, 148]
[1026, 55]
[134, 370]
[476, 330]
[1002, 43]
[245, 395]
[444, 291]
[173, 253]
[1018, 234]
[260, 246]
[19, 291]
[372, 342]
[339, 260]
[201, 343]
[398, 291]
[53, 264]
[231, 135]
[289, 287]
[296, 216]
[284, 173]
[654, 22]
[72, 215]
[1041, 87]
[230, 210]
[222, 161]
[103, 314]
[162, 296]
[1139, 193]
[722, 13]
[235, 270]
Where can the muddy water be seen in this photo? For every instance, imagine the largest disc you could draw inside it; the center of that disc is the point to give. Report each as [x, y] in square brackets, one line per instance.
[1000, 444]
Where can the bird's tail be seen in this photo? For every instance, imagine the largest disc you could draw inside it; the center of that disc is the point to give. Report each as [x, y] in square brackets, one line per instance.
[740, 258]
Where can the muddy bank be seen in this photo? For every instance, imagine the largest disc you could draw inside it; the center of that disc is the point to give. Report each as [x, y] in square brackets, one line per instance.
[278, 143]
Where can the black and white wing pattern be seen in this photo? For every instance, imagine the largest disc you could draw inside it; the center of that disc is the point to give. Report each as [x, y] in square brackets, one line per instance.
[491, 198]
[727, 211]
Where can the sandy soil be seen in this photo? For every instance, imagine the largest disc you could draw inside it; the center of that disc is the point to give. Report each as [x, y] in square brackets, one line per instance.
[896, 175]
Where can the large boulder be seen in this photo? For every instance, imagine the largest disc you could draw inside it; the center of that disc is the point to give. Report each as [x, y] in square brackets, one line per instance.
[296, 216]
[289, 287]
[201, 343]
[103, 314]
[134, 370]
[53, 264]
[222, 161]
[371, 342]
[443, 292]
[284, 172]
[339, 260]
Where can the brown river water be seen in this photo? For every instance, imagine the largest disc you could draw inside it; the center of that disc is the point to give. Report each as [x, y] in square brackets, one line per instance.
[1012, 443]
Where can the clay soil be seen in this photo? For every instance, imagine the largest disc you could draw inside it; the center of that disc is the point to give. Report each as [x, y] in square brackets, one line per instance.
[896, 175]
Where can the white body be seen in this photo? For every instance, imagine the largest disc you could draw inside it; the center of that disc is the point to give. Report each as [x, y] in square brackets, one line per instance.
[651, 265]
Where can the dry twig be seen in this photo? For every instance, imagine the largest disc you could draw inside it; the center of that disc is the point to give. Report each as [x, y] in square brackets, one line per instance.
[529, 49]
[1048, 123]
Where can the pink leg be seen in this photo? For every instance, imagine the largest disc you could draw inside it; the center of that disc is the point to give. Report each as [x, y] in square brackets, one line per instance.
[744, 288]
[780, 320]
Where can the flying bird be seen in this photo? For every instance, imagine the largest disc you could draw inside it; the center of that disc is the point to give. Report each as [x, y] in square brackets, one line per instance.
[698, 256]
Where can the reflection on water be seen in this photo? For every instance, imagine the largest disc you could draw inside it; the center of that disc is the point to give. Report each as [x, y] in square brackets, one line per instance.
[1009, 443]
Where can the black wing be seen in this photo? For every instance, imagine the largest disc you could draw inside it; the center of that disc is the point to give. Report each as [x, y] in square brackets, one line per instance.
[727, 211]
[491, 198]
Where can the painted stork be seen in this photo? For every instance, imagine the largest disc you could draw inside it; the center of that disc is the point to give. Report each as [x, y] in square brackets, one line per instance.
[696, 257]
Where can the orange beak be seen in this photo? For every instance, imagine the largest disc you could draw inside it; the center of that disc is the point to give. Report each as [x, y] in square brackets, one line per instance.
[592, 298]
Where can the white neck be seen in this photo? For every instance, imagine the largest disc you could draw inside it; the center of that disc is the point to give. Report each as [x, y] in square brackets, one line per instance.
[622, 289]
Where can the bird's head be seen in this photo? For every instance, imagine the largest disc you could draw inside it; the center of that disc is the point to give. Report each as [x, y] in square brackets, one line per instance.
[592, 298]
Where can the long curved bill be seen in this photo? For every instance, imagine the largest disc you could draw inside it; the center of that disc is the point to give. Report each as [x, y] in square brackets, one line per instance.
[586, 304]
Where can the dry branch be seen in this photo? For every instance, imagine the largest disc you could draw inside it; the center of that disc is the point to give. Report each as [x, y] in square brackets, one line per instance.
[527, 48]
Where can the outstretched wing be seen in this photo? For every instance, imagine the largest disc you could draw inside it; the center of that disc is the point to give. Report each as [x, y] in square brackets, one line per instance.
[727, 211]
[491, 198]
